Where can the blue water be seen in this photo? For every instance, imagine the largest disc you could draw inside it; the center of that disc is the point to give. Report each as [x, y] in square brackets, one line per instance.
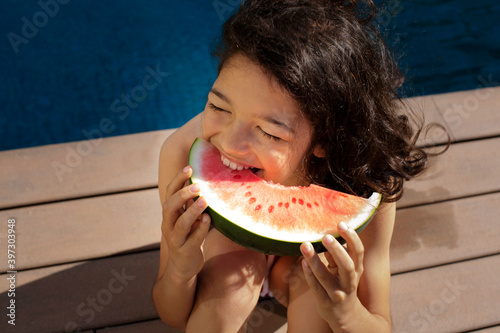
[113, 67]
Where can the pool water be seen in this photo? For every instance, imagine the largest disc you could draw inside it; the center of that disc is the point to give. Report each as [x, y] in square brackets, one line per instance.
[71, 69]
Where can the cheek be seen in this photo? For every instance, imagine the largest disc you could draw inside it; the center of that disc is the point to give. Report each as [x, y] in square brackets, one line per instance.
[210, 125]
[295, 158]
[282, 163]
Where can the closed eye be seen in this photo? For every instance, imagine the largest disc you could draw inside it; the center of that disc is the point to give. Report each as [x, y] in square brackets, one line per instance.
[269, 136]
[216, 108]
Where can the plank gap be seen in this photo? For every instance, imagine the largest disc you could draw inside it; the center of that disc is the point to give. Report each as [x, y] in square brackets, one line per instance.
[453, 142]
[490, 328]
[446, 264]
[29, 205]
[89, 260]
[438, 201]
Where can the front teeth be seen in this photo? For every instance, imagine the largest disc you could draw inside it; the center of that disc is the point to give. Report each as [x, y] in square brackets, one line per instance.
[232, 165]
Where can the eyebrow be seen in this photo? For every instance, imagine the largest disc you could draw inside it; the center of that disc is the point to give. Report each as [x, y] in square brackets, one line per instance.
[266, 118]
[279, 123]
[220, 95]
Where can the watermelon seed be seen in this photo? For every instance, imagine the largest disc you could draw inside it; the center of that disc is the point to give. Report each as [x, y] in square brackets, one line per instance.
[309, 205]
[270, 209]
[252, 200]
[287, 205]
[316, 204]
[294, 200]
[258, 207]
[248, 194]
[280, 204]
[237, 176]
[301, 201]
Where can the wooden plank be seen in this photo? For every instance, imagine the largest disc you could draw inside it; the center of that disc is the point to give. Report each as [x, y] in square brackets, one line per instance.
[450, 298]
[262, 320]
[151, 326]
[425, 108]
[70, 170]
[471, 114]
[445, 232]
[84, 229]
[466, 169]
[85, 295]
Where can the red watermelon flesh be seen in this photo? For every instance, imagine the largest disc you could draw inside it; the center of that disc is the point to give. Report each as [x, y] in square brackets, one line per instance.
[269, 217]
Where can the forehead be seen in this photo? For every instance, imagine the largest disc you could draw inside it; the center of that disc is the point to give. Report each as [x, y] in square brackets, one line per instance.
[247, 87]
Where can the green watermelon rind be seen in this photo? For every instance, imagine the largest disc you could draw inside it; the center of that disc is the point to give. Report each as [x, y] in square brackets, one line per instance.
[268, 245]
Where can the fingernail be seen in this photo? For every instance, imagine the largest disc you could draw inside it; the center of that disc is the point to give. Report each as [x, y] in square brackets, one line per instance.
[194, 188]
[204, 219]
[308, 249]
[328, 239]
[201, 202]
[342, 226]
[186, 169]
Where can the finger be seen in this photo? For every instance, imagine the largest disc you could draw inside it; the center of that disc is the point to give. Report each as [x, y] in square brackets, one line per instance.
[178, 181]
[345, 265]
[198, 235]
[321, 273]
[355, 246]
[190, 202]
[173, 207]
[331, 263]
[184, 225]
[319, 292]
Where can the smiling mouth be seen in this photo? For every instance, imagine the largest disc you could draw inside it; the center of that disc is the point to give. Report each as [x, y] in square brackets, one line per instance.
[235, 166]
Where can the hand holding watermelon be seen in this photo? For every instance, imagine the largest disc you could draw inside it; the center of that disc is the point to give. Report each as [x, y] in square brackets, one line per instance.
[335, 285]
[184, 229]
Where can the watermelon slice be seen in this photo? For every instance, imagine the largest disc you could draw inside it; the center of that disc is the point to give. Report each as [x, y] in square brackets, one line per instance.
[268, 217]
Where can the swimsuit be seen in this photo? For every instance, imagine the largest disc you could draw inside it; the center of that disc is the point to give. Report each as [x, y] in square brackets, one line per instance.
[265, 292]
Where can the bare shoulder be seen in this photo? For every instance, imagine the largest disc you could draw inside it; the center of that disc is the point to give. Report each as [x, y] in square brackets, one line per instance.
[175, 151]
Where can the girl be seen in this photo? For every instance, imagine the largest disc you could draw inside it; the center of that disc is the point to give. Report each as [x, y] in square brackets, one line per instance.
[306, 93]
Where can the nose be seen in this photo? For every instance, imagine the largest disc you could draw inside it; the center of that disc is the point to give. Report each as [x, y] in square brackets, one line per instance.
[236, 140]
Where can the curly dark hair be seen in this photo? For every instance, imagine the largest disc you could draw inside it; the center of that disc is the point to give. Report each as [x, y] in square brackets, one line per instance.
[330, 56]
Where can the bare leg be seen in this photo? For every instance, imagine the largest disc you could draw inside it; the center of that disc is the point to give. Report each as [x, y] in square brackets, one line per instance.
[228, 286]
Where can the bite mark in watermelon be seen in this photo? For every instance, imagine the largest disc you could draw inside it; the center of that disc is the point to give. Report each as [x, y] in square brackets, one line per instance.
[268, 217]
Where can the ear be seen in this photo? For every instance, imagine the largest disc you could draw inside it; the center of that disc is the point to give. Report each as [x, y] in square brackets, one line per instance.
[319, 151]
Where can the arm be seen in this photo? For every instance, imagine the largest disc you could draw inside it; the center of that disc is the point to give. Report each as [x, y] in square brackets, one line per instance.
[353, 293]
[183, 231]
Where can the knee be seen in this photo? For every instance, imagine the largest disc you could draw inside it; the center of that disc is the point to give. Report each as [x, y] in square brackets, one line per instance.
[235, 270]
[231, 271]
[286, 278]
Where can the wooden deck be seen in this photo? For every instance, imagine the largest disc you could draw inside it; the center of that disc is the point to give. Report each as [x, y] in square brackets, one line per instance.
[87, 222]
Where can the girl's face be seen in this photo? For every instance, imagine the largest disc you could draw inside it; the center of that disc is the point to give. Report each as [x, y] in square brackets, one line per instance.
[255, 124]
